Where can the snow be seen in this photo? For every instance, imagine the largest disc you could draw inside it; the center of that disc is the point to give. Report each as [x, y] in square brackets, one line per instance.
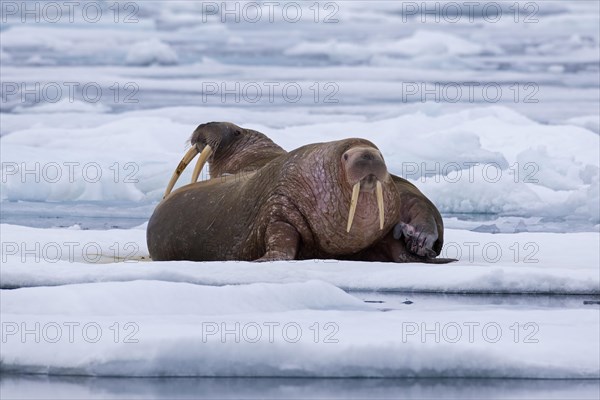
[147, 298]
[170, 307]
[99, 308]
[421, 43]
[488, 263]
[64, 106]
[151, 52]
[149, 328]
[485, 160]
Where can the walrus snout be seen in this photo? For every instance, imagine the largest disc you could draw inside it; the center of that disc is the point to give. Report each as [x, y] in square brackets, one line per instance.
[364, 164]
[365, 170]
[369, 156]
[210, 138]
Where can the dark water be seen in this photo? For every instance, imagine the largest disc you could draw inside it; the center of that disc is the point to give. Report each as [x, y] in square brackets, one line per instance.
[88, 215]
[129, 214]
[389, 301]
[38, 387]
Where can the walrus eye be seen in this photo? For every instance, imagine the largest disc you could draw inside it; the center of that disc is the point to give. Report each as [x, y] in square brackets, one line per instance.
[345, 156]
[237, 132]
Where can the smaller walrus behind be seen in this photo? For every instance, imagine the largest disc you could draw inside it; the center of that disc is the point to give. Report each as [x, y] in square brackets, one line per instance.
[230, 149]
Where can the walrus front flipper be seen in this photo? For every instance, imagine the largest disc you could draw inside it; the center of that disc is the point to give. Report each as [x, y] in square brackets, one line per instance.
[421, 226]
[419, 236]
[281, 240]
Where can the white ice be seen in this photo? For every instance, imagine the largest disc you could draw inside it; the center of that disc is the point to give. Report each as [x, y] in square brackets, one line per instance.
[88, 303]
[528, 262]
[311, 329]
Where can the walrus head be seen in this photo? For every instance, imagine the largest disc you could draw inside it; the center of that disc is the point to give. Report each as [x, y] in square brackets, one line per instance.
[365, 170]
[343, 191]
[228, 149]
[233, 149]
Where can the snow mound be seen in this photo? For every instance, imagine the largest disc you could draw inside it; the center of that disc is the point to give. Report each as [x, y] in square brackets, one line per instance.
[64, 106]
[421, 43]
[150, 52]
[168, 298]
[280, 330]
[591, 122]
[482, 160]
[527, 262]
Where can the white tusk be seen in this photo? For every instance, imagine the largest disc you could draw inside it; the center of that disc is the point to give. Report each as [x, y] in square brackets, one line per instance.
[201, 161]
[379, 190]
[353, 203]
[187, 158]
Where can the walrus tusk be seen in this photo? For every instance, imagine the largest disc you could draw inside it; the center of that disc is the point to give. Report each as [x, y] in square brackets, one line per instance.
[353, 203]
[201, 161]
[187, 158]
[379, 190]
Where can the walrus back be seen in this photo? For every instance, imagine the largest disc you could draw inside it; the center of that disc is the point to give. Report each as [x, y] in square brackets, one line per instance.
[202, 221]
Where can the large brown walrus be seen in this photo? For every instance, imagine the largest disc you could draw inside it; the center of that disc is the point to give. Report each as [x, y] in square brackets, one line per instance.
[292, 205]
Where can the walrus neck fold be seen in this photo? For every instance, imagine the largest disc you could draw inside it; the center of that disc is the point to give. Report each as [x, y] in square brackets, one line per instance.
[248, 153]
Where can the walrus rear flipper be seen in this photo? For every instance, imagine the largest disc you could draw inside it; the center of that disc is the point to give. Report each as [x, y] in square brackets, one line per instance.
[406, 257]
[389, 249]
[439, 260]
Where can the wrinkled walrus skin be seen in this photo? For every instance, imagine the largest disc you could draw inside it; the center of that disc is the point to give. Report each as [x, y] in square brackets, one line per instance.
[269, 211]
[294, 207]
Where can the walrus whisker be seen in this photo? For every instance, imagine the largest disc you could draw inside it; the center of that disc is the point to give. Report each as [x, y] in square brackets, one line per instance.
[379, 190]
[201, 161]
[353, 203]
[187, 158]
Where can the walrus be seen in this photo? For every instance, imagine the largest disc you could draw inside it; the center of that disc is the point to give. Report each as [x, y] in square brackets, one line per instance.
[230, 149]
[322, 200]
